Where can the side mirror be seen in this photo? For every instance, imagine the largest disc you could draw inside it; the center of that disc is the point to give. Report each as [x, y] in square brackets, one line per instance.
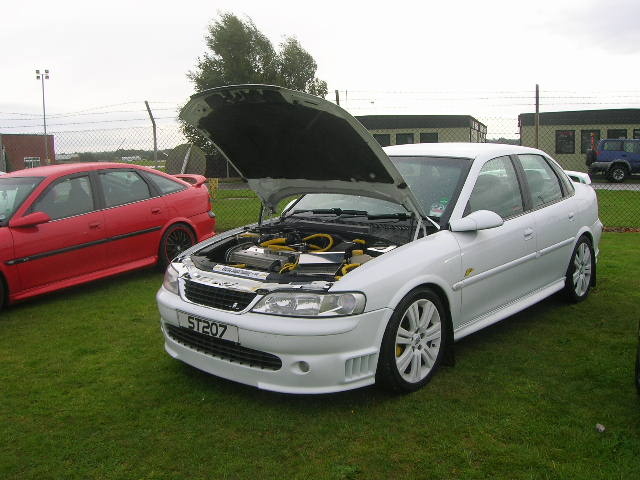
[480, 220]
[31, 220]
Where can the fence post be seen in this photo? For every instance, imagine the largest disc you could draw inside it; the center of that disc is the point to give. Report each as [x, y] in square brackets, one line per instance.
[537, 116]
[155, 138]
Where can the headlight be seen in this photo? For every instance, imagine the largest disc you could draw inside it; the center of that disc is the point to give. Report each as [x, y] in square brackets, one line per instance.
[170, 281]
[305, 304]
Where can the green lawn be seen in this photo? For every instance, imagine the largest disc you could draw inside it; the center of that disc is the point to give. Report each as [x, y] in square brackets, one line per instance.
[235, 208]
[619, 208]
[88, 393]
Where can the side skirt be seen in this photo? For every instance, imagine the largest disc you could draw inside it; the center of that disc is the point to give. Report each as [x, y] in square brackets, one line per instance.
[507, 310]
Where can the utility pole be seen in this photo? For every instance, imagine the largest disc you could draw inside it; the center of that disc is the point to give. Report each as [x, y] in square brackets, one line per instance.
[337, 98]
[42, 77]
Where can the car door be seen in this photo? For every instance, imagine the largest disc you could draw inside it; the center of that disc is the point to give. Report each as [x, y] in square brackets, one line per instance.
[555, 209]
[134, 217]
[71, 244]
[497, 263]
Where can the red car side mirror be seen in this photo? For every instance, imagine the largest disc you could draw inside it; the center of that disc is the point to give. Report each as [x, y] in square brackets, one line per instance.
[31, 220]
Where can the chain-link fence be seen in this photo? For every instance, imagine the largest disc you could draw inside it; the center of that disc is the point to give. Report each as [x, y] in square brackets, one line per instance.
[568, 137]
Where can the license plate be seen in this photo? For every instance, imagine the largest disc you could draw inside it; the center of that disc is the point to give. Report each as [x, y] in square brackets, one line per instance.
[209, 327]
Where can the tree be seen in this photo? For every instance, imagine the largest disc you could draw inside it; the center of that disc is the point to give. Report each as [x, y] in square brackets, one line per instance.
[239, 53]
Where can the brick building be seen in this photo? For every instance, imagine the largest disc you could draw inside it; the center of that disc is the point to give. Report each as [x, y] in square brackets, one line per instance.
[20, 150]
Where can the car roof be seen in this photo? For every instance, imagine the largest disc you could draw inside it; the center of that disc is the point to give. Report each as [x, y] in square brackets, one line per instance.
[65, 169]
[460, 149]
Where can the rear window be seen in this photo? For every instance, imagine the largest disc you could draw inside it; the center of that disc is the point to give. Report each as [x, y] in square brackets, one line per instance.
[164, 184]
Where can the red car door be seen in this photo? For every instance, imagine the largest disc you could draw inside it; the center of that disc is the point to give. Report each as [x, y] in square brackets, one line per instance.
[69, 248]
[133, 217]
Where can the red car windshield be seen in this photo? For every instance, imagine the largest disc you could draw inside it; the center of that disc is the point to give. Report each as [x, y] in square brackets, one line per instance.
[13, 191]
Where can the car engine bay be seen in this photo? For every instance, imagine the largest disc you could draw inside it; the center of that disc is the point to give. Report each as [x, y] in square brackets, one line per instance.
[284, 253]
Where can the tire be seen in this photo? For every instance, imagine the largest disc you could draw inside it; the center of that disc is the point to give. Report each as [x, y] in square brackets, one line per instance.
[591, 157]
[414, 342]
[581, 271]
[617, 173]
[176, 239]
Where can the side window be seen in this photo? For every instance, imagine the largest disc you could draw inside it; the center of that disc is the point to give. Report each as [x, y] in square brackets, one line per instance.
[630, 147]
[123, 186]
[66, 198]
[542, 180]
[164, 184]
[612, 146]
[497, 189]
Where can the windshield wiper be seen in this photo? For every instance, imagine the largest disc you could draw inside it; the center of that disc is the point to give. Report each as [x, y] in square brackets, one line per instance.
[397, 216]
[332, 211]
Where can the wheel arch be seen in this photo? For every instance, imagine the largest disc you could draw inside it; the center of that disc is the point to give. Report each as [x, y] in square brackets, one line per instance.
[586, 233]
[620, 162]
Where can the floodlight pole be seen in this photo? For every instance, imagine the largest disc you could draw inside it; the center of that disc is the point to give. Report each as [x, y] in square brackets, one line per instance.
[42, 77]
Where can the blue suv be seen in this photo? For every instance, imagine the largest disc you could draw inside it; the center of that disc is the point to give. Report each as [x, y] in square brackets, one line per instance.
[616, 158]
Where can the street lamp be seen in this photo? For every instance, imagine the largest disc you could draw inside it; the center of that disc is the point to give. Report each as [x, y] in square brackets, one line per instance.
[42, 77]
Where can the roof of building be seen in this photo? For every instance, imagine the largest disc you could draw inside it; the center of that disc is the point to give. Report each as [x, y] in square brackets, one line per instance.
[457, 149]
[584, 117]
[378, 122]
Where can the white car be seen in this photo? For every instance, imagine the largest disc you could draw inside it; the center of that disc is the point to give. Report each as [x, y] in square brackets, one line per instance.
[388, 256]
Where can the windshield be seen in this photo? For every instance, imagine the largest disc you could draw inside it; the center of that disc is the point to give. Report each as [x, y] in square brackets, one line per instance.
[435, 181]
[13, 191]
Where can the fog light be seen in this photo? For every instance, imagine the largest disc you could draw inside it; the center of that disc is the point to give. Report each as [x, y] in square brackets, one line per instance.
[300, 368]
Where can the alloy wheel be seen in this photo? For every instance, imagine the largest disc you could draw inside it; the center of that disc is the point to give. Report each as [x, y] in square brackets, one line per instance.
[418, 340]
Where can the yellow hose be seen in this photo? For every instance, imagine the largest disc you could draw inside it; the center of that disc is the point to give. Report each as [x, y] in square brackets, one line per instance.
[348, 267]
[274, 241]
[320, 235]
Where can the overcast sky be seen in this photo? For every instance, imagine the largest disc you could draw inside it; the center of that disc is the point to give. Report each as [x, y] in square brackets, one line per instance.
[473, 57]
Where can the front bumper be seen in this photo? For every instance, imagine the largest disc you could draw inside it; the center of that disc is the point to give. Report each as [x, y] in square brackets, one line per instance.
[318, 355]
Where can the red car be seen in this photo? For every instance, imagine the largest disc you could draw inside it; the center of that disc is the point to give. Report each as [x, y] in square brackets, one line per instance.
[63, 225]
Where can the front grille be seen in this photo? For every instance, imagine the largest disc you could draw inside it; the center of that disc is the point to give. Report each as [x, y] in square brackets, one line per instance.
[217, 297]
[223, 349]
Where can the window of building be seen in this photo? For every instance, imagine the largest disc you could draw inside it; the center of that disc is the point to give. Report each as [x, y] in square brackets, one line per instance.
[496, 189]
[31, 162]
[429, 137]
[617, 133]
[565, 141]
[636, 133]
[402, 138]
[544, 185]
[585, 139]
[384, 139]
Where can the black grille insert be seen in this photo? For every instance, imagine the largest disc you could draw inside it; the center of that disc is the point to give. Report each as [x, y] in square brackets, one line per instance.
[223, 349]
[217, 297]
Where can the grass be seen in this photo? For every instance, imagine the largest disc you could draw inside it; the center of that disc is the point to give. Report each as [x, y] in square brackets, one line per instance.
[88, 393]
[235, 208]
[619, 208]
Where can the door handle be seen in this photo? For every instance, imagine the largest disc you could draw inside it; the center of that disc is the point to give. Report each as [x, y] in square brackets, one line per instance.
[95, 225]
[155, 211]
[528, 233]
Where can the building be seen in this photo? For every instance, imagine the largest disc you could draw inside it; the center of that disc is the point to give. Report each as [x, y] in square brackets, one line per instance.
[19, 150]
[400, 129]
[567, 136]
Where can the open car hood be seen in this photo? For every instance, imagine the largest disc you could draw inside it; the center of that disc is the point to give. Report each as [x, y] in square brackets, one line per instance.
[286, 142]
